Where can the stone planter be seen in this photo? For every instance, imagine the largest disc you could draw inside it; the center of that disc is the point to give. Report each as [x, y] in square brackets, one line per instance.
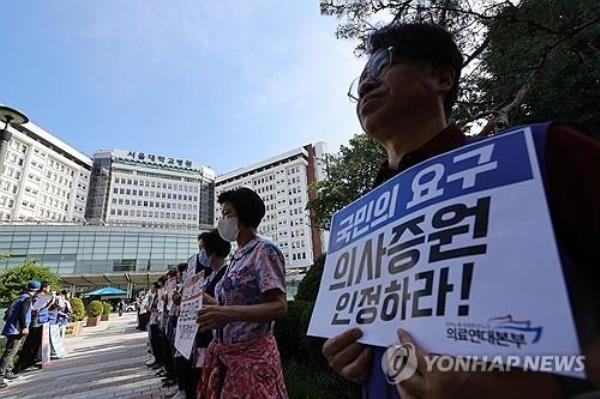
[105, 317]
[73, 328]
[93, 321]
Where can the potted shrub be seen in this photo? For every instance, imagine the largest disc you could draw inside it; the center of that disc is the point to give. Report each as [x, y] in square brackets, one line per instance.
[94, 312]
[76, 316]
[105, 311]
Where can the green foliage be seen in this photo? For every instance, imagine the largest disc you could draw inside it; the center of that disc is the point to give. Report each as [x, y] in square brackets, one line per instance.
[95, 309]
[14, 280]
[78, 313]
[105, 308]
[305, 381]
[304, 366]
[560, 63]
[351, 174]
[309, 286]
[526, 61]
[291, 334]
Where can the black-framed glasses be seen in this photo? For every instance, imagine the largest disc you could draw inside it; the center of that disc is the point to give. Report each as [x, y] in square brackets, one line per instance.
[376, 67]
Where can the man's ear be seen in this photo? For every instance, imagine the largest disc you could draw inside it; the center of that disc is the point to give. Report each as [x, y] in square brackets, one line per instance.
[445, 77]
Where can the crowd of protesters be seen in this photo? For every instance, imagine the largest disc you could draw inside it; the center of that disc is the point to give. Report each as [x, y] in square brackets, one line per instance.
[404, 97]
[234, 349]
[36, 307]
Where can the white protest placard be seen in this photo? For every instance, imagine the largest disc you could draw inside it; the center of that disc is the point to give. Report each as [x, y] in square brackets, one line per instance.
[191, 268]
[56, 342]
[170, 287]
[40, 301]
[187, 326]
[459, 251]
[45, 347]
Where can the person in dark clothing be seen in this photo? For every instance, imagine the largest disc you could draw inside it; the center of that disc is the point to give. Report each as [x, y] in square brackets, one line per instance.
[154, 329]
[18, 319]
[28, 357]
[120, 307]
[212, 253]
[168, 338]
[404, 97]
[217, 251]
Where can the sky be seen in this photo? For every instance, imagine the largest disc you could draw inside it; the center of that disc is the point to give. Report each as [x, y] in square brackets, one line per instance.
[225, 83]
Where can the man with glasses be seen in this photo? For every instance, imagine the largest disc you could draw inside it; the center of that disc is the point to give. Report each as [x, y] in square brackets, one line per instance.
[404, 99]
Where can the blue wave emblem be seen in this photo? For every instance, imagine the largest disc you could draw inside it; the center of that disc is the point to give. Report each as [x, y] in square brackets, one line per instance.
[507, 323]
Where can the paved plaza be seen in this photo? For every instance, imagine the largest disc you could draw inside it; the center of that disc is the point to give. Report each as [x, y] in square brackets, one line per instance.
[102, 362]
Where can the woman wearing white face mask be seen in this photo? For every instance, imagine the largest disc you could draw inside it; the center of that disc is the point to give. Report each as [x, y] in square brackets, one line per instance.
[243, 358]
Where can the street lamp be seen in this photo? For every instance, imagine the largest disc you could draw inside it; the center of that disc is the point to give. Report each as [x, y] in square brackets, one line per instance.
[9, 116]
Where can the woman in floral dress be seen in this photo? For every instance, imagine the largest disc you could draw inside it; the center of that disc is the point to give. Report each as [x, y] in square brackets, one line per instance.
[243, 361]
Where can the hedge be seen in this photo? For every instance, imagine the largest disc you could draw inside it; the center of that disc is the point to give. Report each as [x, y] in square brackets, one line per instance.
[78, 313]
[305, 368]
[95, 309]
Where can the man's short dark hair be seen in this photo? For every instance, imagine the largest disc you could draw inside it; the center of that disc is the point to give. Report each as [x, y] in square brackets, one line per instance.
[425, 42]
[182, 267]
[215, 245]
[249, 206]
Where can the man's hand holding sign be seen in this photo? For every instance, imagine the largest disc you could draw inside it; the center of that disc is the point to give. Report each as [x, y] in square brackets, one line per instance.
[453, 261]
[458, 248]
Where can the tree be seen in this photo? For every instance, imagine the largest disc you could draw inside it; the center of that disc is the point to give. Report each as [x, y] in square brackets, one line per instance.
[309, 286]
[15, 279]
[559, 76]
[350, 173]
[524, 61]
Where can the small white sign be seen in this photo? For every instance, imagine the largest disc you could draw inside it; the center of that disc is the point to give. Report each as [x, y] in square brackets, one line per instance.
[187, 325]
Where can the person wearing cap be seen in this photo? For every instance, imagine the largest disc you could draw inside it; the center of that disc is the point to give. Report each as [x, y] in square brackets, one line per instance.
[29, 355]
[18, 318]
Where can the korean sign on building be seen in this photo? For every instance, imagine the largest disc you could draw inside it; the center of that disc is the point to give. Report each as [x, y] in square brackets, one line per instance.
[459, 251]
[157, 159]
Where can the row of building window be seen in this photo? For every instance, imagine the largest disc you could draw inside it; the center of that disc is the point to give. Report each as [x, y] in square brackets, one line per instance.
[56, 190]
[9, 187]
[168, 177]
[60, 179]
[6, 201]
[153, 214]
[17, 146]
[150, 183]
[12, 172]
[14, 158]
[192, 226]
[51, 214]
[297, 256]
[294, 211]
[34, 177]
[60, 167]
[155, 194]
[152, 204]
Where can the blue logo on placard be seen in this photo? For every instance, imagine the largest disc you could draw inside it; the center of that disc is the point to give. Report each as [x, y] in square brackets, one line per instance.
[524, 327]
[498, 331]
